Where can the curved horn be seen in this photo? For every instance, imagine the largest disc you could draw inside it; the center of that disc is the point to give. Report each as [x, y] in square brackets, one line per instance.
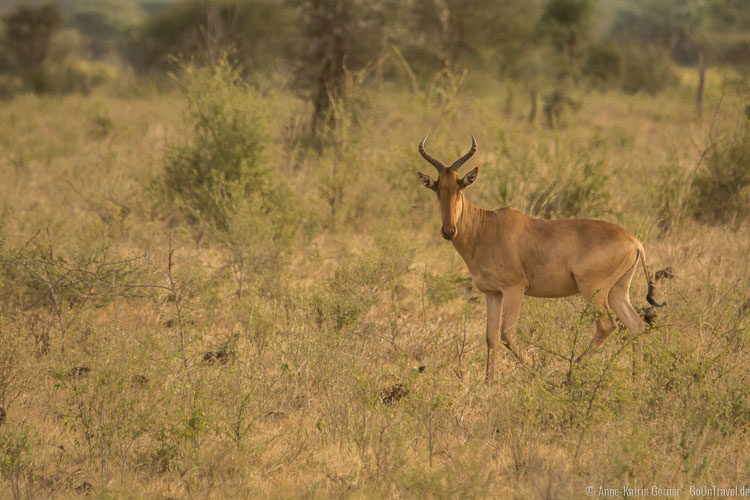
[439, 166]
[457, 164]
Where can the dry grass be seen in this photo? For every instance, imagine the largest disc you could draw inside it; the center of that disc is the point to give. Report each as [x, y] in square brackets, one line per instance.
[355, 368]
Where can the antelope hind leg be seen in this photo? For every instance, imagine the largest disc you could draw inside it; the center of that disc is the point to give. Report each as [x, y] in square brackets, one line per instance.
[604, 323]
[619, 299]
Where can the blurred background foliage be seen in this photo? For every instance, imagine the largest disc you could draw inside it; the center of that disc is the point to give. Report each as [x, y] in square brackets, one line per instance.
[313, 46]
[237, 63]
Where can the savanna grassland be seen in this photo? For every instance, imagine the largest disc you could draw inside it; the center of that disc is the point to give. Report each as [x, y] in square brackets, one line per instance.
[308, 333]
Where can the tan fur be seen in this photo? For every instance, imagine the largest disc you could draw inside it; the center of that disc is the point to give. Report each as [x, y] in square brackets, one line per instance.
[510, 254]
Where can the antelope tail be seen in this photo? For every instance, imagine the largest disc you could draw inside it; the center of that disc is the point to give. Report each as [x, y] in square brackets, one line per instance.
[650, 295]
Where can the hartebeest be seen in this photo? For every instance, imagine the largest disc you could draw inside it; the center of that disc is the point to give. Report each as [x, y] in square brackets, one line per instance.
[510, 254]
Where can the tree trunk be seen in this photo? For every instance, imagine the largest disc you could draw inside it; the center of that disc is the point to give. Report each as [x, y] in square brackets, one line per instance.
[330, 83]
[532, 96]
[508, 108]
[701, 83]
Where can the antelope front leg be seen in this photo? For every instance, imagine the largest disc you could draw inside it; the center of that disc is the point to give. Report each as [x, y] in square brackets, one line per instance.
[494, 306]
[512, 307]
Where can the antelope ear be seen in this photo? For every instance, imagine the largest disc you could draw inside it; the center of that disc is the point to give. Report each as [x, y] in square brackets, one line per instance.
[469, 178]
[427, 182]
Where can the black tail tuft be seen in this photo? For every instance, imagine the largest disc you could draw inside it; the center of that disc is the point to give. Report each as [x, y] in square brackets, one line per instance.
[650, 296]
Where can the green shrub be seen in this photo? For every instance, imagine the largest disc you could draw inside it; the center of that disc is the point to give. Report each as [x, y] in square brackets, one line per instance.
[672, 191]
[258, 231]
[720, 189]
[578, 190]
[551, 182]
[223, 153]
[216, 176]
[357, 285]
[442, 288]
[16, 465]
[603, 65]
[52, 285]
[646, 69]
[258, 31]
[107, 427]
[26, 36]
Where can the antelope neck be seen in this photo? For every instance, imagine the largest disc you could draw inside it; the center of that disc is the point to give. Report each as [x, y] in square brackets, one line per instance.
[466, 226]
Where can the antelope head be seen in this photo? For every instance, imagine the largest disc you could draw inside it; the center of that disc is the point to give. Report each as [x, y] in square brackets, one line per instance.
[449, 188]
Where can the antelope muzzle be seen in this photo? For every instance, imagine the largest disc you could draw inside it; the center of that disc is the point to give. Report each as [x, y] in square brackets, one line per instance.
[448, 232]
